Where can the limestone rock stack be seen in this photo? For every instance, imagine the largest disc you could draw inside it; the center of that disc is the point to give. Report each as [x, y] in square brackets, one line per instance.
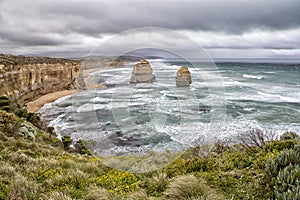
[142, 73]
[183, 77]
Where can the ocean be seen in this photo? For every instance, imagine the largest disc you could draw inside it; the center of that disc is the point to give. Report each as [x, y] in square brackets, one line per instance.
[225, 99]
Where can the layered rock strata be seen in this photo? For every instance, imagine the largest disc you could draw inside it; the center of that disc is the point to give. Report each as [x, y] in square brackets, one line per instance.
[23, 79]
[183, 77]
[142, 73]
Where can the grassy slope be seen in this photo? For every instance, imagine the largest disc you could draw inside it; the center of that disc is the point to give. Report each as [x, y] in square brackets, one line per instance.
[44, 169]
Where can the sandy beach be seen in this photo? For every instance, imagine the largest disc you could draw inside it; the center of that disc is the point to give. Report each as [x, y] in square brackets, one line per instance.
[90, 83]
[34, 106]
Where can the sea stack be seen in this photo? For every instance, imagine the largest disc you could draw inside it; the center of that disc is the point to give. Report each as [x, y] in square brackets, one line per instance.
[142, 73]
[183, 77]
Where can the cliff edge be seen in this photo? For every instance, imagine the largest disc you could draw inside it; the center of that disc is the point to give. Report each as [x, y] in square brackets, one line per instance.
[23, 78]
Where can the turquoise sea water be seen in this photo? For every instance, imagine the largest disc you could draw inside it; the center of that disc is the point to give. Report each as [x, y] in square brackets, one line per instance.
[223, 101]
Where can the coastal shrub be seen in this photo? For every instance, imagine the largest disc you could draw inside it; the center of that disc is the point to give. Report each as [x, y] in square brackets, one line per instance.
[289, 136]
[155, 185]
[182, 166]
[6, 108]
[288, 179]
[50, 130]
[80, 148]
[117, 182]
[255, 139]
[5, 104]
[284, 172]
[3, 98]
[3, 190]
[234, 160]
[220, 147]
[36, 121]
[176, 168]
[73, 178]
[289, 195]
[31, 117]
[282, 160]
[189, 187]
[67, 141]
[22, 113]
[279, 145]
[8, 123]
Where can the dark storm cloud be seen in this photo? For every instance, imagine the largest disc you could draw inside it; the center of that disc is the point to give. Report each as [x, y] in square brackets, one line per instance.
[61, 23]
[94, 17]
[33, 39]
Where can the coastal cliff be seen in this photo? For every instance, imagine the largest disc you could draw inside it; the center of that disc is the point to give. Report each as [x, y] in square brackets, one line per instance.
[23, 79]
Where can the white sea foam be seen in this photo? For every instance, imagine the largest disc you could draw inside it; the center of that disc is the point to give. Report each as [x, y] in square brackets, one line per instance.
[269, 97]
[99, 100]
[135, 104]
[92, 107]
[252, 76]
[249, 109]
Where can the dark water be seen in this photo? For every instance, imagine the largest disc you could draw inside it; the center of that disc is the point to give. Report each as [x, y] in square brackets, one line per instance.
[222, 102]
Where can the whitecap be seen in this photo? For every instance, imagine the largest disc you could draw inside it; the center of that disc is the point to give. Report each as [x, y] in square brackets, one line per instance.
[252, 76]
[92, 107]
[277, 98]
[98, 99]
[249, 109]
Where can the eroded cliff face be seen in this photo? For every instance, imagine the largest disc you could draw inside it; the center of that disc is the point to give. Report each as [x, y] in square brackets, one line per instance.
[23, 79]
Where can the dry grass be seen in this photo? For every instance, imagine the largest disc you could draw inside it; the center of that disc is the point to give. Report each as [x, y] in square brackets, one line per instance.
[95, 193]
[56, 196]
[188, 187]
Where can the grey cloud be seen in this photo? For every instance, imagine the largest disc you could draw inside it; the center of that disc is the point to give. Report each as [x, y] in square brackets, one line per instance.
[29, 39]
[95, 17]
[65, 24]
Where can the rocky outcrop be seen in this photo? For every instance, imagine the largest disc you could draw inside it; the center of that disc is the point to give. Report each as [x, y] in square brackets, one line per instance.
[23, 79]
[142, 73]
[183, 77]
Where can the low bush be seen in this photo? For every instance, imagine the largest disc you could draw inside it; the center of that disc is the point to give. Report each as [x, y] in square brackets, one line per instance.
[155, 185]
[279, 145]
[188, 187]
[5, 104]
[255, 139]
[289, 136]
[284, 172]
[282, 160]
[67, 141]
[8, 123]
[81, 148]
[117, 182]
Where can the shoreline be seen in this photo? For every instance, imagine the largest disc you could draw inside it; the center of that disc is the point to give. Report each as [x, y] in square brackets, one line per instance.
[90, 82]
[35, 105]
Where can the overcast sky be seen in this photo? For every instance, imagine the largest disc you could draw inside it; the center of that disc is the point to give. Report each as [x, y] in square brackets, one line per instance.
[225, 28]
